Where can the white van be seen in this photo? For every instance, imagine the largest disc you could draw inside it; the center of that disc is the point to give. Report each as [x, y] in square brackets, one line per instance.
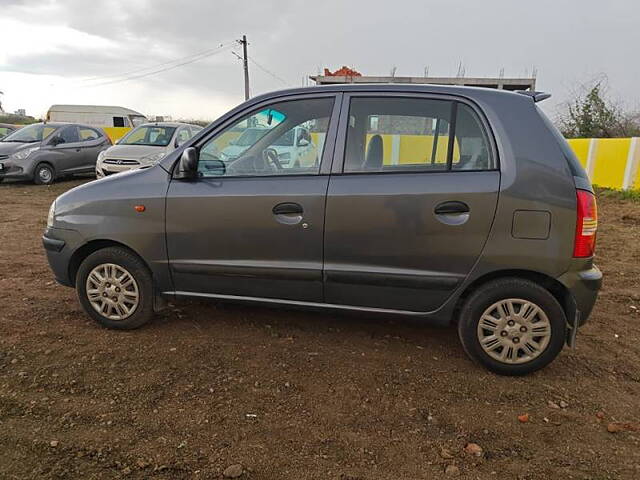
[116, 121]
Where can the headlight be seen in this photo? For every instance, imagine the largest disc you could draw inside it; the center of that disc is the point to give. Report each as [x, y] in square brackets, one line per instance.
[51, 216]
[101, 155]
[156, 157]
[22, 154]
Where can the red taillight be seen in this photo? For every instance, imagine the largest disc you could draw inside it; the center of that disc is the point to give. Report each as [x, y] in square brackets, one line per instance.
[586, 225]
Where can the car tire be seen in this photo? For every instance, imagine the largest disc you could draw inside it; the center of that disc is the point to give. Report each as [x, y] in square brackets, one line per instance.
[44, 174]
[127, 283]
[512, 326]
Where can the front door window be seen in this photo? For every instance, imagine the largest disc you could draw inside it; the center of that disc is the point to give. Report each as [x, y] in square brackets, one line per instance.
[286, 138]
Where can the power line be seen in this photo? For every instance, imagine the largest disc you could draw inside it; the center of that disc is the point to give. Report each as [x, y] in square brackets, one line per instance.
[192, 59]
[269, 72]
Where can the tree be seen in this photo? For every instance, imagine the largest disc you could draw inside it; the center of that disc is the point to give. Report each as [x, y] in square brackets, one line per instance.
[592, 115]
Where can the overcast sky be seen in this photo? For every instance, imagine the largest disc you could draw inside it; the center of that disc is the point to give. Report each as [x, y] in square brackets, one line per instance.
[77, 51]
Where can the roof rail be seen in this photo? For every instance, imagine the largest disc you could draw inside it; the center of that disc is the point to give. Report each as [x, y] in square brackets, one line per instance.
[536, 96]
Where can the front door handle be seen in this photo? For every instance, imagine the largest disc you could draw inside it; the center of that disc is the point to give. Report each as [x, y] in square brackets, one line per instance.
[451, 208]
[288, 208]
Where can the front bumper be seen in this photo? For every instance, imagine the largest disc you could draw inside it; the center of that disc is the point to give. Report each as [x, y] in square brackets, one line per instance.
[59, 245]
[583, 283]
[12, 171]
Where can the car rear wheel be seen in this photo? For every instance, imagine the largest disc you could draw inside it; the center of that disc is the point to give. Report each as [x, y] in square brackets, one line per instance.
[115, 288]
[512, 326]
[43, 174]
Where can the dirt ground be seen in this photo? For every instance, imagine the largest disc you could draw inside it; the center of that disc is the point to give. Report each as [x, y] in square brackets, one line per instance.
[299, 395]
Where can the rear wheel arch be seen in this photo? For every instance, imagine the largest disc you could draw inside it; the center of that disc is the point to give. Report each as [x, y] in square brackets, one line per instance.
[93, 246]
[553, 286]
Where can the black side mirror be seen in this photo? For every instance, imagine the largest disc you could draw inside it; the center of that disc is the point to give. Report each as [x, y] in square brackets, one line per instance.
[55, 141]
[187, 168]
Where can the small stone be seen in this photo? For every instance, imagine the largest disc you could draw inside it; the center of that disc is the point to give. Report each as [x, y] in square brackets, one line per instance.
[287, 384]
[233, 471]
[173, 349]
[452, 470]
[600, 415]
[553, 405]
[126, 471]
[54, 443]
[446, 453]
[523, 418]
[14, 361]
[473, 449]
[47, 352]
[563, 404]
[141, 463]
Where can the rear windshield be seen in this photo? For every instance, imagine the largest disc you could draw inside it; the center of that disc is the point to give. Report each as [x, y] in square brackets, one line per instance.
[574, 164]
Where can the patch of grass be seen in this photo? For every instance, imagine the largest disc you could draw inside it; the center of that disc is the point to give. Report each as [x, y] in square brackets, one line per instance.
[632, 195]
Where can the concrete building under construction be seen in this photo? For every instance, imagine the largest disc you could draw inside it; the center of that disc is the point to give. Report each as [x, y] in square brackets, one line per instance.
[348, 75]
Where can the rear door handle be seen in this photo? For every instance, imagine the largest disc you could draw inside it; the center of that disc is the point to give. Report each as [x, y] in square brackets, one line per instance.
[288, 208]
[451, 208]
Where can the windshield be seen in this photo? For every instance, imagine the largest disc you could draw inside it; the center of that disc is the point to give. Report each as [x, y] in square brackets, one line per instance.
[149, 135]
[30, 134]
[285, 140]
[250, 136]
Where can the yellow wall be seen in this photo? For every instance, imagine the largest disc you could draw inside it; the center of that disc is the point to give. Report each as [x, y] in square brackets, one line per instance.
[580, 147]
[609, 157]
[610, 161]
[116, 133]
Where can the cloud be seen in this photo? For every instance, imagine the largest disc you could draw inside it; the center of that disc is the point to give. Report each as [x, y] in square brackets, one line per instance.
[63, 42]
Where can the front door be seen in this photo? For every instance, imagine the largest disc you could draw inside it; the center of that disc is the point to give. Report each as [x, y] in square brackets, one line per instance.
[67, 155]
[252, 224]
[410, 202]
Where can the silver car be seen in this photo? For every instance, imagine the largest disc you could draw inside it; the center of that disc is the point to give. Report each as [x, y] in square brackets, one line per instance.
[144, 146]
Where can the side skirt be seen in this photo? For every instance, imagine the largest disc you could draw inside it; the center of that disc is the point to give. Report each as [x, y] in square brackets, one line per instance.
[278, 301]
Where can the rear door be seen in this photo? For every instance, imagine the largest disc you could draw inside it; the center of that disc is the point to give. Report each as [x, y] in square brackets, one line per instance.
[410, 203]
[249, 226]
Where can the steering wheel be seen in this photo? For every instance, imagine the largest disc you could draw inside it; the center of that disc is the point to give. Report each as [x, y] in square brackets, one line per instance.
[270, 157]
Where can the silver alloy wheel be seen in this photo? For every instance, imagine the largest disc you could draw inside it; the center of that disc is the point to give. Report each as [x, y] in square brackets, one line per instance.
[45, 174]
[514, 331]
[112, 291]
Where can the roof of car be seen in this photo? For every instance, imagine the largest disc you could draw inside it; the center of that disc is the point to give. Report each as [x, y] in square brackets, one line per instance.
[167, 124]
[396, 87]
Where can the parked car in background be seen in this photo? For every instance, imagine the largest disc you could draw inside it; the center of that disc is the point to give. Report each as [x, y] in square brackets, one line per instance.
[115, 121]
[6, 129]
[144, 146]
[459, 206]
[43, 152]
[294, 149]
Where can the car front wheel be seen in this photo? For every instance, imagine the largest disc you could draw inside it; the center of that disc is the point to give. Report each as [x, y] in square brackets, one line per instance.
[512, 326]
[115, 288]
[43, 174]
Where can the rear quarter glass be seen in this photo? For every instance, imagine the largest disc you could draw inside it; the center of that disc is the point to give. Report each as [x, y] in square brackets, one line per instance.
[578, 172]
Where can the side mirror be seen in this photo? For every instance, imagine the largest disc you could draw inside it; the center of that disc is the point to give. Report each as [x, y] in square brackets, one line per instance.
[55, 141]
[187, 167]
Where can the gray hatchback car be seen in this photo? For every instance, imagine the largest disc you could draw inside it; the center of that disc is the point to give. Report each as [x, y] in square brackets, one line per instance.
[460, 206]
[42, 152]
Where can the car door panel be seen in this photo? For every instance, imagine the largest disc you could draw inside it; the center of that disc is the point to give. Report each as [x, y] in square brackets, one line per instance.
[252, 234]
[403, 239]
[224, 238]
[385, 246]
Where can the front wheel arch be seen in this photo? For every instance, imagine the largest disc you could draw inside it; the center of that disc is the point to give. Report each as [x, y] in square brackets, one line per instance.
[93, 246]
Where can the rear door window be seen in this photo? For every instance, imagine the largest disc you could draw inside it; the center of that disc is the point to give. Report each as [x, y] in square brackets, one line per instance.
[403, 134]
[69, 135]
[88, 134]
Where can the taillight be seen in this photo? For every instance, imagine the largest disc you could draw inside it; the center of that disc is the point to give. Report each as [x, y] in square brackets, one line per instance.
[586, 225]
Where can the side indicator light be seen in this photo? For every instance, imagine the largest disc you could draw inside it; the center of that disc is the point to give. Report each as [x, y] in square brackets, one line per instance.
[140, 208]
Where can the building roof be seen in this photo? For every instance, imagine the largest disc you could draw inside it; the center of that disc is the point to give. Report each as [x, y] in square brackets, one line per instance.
[501, 83]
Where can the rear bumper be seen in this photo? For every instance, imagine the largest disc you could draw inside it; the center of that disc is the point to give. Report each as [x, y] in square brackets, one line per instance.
[583, 284]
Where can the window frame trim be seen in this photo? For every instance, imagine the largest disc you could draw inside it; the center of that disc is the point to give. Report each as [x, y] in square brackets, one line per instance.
[326, 162]
[341, 139]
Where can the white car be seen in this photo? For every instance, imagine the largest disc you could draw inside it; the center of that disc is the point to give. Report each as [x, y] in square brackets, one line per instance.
[144, 146]
[295, 148]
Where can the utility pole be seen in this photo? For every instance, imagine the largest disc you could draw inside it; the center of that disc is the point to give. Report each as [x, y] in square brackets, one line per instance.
[245, 63]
